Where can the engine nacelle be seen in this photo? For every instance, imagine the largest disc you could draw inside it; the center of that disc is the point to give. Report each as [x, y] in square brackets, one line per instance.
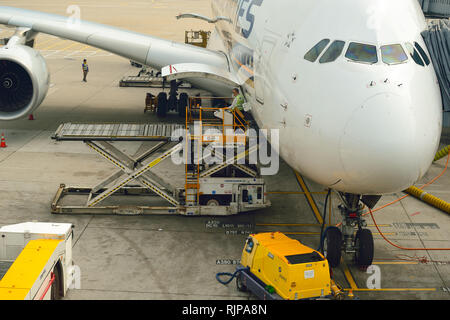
[24, 81]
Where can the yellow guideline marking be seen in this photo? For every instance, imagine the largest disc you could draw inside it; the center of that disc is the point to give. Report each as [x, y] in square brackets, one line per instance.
[294, 192]
[303, 233]
[349, 276]
[39, 44]
[54, 45]
[309, 197]
[88, 47]
[70, 46]
[395, 262]
[288, 225]
[26, 269]
[394, 289]
[302, 225]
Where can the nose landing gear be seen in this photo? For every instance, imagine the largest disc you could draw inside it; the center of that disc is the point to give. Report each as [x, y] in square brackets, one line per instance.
[352, 237]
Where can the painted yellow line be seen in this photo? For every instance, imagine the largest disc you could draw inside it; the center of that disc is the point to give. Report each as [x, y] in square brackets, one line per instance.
[288, 225]
[394, 262]
[69, 46]
[348, 276]
[309, 197]
[89, 47]
[39, 44]
[303, 233]
[303, 225]
[293, 192]
[54, 45]
[391, 289]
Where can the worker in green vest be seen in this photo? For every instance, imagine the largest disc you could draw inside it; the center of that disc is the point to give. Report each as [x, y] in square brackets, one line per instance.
[238, 101]
[85, 69]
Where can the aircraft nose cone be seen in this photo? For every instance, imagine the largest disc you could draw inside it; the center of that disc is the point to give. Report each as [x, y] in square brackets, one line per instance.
[379, 150]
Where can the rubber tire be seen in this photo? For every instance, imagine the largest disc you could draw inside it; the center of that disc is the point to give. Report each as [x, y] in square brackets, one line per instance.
[213, 202]
[333, 239]
[365, 249]
[239, 285]
[182, 104]
[55, 294]
[172, 103]
[161, 111]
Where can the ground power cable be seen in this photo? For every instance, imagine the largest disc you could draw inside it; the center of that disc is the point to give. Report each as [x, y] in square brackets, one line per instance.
[395, 245]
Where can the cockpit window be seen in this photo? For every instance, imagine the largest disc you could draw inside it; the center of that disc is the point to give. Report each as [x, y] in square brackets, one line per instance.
[333, 52]
[422, 53]
[315, 52]
[360, 52]
[393, 54]
[414, 54]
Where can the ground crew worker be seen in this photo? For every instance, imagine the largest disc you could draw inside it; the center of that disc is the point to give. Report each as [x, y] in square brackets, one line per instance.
[238, 103]
[85, 69]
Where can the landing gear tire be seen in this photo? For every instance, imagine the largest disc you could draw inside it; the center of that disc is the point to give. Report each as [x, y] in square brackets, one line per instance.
[364, 248]
[182, 104]
[240, 285]
[162, 104]
[332, 246]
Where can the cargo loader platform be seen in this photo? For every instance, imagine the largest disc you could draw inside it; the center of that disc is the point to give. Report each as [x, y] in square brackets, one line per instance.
[225, 188]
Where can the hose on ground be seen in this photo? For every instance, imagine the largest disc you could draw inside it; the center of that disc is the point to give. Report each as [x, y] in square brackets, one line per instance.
[322, 233]
[231, 275]
[428, 198]
[442, 153]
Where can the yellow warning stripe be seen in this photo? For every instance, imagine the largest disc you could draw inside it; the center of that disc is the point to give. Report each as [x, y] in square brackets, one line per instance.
[221, 166]
[391, 289]
[104, 155]
[394, 262]
[309, 197]
[135, 175]
[154, 189]
[349, 276]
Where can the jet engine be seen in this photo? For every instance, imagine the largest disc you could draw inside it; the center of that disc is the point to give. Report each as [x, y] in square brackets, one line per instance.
[24, 81]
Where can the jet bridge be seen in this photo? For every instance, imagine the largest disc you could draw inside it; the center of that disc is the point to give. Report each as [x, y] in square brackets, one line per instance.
[437, 39]
[225, 187]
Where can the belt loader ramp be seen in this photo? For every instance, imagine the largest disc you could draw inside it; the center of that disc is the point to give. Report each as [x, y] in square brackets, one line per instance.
[225, 188]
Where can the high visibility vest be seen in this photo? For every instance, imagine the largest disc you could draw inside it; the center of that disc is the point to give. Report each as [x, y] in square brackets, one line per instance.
[85, 67]
[239, 102]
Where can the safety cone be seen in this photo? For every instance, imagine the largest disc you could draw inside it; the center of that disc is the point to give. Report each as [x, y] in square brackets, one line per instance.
[30, 117]
[350, 294]
[3, 143]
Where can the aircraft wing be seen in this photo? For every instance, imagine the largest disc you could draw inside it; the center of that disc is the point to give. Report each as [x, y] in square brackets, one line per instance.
[147, 50]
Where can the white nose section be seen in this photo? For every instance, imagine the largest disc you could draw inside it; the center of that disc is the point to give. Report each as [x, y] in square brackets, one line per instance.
[377, 149]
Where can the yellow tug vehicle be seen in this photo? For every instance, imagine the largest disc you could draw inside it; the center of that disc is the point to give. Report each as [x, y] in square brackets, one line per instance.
[276, 267]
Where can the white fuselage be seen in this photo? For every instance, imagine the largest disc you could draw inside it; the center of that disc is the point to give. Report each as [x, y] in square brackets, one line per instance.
[356, 127]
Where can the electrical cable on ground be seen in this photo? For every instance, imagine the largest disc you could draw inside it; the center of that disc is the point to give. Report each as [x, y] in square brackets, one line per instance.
[400, 247]
[393, 244]
[231, 275]
[407, 195]
[320, 249]
[412, 249]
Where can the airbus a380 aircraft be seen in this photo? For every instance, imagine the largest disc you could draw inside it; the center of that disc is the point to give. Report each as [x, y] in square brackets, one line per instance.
[348, 84]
